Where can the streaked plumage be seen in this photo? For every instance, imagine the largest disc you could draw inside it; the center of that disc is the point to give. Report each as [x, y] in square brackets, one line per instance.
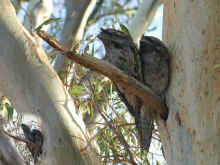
[144, 65]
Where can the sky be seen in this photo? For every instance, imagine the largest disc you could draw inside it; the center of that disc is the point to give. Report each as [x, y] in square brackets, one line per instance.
[157, 22]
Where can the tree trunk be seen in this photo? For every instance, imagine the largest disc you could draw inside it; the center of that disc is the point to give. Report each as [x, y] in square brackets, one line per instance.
[8, 153]
[192, 132]
[77, 14]
[32, 86]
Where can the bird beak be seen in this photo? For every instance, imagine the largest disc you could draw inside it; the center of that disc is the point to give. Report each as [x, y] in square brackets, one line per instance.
[101, 34]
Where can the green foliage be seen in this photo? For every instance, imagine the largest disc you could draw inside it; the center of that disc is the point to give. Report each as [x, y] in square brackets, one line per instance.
[216, 66]
[76, 48]
[157, 163]
[76, 89]
[92, 92]
[6, 110]
[61, 74]
[47, 22]
[10, 111]
[125, 29]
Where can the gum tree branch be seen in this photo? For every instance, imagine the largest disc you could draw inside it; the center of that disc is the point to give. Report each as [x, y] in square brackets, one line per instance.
[8, 152]
[77, 14]
[143, 18]
[96, 9]
[33, 87]
[130, 84]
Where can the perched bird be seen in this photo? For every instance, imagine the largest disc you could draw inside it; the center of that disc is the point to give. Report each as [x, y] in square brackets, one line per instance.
[154, 58]
[155, 64]
[123, 53]
[33, 137]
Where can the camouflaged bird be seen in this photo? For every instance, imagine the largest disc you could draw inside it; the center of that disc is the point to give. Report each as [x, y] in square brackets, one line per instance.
[34, 136]
[148, 65]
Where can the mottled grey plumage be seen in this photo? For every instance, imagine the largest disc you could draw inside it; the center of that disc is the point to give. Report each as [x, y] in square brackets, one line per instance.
[155, 69]
[122, 52]
[155, 64]
[36, 137]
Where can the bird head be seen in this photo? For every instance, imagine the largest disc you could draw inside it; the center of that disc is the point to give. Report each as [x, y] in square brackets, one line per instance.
[108, 36]
[27, 131]
[25, 128]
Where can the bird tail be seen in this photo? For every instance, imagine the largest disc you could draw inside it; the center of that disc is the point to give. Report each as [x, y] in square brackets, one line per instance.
[145, 130]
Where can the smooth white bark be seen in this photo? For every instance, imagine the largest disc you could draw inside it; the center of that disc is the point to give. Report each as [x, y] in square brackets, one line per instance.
[33, 87]
[8, 152]
[77, 14]
[191, 31]
[143, 18]
[37, 12]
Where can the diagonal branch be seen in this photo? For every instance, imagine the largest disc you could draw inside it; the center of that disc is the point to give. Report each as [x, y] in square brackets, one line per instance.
[37, 147]
[8, 152]
[130, 84]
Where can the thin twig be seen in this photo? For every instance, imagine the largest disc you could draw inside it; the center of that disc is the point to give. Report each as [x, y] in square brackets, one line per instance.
[21, 139]
[118, 135]
[109, 13]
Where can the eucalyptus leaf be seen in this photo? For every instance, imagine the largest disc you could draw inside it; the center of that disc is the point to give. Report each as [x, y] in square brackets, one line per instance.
[125, 29]
[93, 50]
[157, 163]
[76, 89]
[76, 48]
[10, 111]
[47, 22]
